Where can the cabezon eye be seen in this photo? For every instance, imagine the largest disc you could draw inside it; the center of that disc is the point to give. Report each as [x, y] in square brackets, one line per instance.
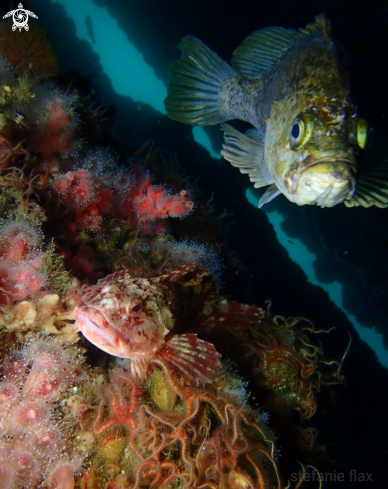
[134, 309]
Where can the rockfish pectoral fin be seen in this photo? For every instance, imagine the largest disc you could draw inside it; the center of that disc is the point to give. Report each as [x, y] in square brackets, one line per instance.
[372, 188]
[271, 192]
[196, 358]
[246, 152]
[195, 85]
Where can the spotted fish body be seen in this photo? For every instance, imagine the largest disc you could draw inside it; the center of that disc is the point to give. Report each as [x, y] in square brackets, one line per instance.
[289, 85]
[138, 318]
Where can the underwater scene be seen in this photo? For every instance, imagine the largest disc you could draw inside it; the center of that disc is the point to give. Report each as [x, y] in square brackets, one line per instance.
[193, 244]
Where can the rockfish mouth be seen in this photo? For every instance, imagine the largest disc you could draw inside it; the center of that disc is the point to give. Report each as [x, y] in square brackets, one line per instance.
[338, 165]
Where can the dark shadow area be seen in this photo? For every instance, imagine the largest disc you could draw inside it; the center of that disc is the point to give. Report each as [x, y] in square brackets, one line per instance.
[350, 244]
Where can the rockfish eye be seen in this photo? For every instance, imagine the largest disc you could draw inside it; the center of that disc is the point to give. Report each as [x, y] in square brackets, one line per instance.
[301, 130]
[362, 133]
[297, 131]
[134, 309]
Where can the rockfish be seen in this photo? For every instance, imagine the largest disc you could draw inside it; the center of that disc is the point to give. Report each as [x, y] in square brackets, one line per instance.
[138, 318]
[290, 86]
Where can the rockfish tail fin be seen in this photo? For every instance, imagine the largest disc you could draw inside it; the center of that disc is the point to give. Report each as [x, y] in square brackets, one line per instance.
[196, 358]
[372, 188]
[196, 84]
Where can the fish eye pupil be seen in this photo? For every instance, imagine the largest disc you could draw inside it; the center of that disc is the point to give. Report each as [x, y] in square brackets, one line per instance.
[136, 308]
[295, 131]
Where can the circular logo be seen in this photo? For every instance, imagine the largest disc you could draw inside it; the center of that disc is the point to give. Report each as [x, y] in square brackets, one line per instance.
[20, 19]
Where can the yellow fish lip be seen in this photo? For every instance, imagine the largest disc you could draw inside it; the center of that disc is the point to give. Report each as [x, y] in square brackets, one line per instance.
[292, 177]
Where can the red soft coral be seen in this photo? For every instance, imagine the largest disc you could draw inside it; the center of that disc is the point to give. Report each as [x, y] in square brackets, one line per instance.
[152, 203]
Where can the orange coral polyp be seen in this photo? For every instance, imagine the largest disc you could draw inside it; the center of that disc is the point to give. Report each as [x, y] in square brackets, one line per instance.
[142, 206]
[156, 193]
[25, 281]
[17, 241]
[28, 414]
[62, 183]
[46, 437]
[8, 393]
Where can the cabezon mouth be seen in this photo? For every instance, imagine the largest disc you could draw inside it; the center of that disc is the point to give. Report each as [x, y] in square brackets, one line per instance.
[93, 331]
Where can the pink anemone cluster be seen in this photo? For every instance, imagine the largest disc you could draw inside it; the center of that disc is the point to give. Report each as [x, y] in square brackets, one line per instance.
[34, 443]
[21, 275]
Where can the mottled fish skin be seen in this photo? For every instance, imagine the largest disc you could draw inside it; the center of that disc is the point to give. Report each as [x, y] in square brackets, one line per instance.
[134, 318]
[309, 85]
[298, 98]
[138, 318]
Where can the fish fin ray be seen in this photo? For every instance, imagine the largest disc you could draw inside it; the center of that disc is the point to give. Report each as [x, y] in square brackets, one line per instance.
[262, 50]
[247, 154]
[255, 134]
[139, 368]
[196, 358]
[113, 276]
[195, 85]
[372, 188]
[271, 192]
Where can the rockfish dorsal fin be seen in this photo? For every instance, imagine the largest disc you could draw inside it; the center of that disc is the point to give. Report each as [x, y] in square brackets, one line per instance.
[372, 188]
[262, 50]
[246, 152]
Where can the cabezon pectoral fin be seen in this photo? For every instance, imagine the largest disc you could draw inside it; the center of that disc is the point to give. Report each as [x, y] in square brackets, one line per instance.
[196, 358]
[372, 188]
